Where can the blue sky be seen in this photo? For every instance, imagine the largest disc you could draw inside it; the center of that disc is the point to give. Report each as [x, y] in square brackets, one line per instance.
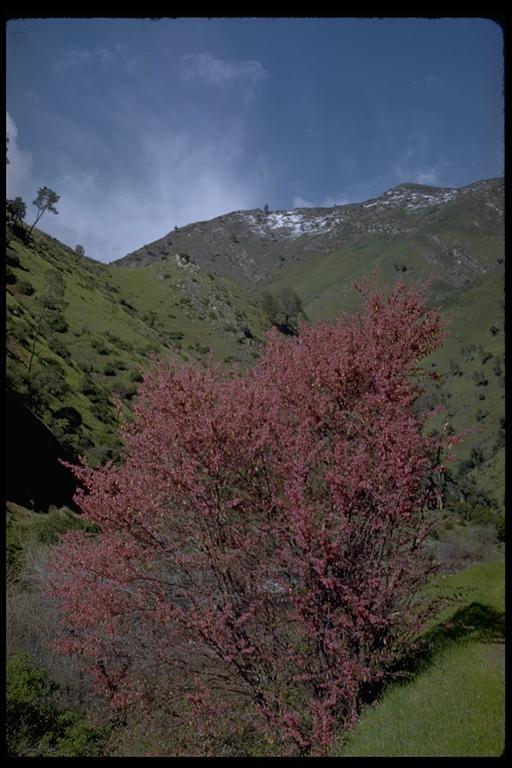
[144, 125]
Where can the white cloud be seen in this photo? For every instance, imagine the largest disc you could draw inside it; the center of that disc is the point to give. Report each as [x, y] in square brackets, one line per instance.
[182, 182]
[79, 57]
[20, 162]
[221, 73]
[326, 202]
[409, 171]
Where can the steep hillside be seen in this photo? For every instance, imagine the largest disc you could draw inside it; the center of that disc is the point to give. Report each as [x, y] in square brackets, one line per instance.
[79, 331]
[455, 237]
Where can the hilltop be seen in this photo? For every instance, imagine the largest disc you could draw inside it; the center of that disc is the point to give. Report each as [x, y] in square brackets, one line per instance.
[252, 248]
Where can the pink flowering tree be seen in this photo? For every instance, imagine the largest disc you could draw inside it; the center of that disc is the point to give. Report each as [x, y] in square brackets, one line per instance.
[260, 548]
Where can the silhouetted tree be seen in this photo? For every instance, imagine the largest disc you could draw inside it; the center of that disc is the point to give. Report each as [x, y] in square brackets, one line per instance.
[16, 209]
[45, 201]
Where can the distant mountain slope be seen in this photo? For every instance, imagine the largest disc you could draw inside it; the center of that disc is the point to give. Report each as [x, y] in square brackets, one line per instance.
[455, 237]
[458, 230]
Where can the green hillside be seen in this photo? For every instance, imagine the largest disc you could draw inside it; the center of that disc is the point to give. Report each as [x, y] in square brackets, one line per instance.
[470, 363]
[413, 232]
[113, 317]
[91, 341]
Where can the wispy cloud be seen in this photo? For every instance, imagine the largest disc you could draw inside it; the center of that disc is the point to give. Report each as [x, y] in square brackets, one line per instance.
[20, 162]
[74, 57]
[427, 176]
[419, 162]
[428, 84]
[329, 202]
[417, 173]
[326, 202]
[183, 180]
[222, 73]
[80, 57]
[300, 202]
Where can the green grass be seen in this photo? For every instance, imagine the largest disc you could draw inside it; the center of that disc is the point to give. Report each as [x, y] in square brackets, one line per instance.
[455, 709]
[455, 704]
[483, 583]
[116, 318]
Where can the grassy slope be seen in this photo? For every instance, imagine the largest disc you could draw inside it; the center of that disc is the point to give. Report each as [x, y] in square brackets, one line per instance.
[176, 314]
[456, 705]
[325, 284]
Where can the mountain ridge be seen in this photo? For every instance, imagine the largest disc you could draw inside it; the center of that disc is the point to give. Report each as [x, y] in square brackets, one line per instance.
[249, 246]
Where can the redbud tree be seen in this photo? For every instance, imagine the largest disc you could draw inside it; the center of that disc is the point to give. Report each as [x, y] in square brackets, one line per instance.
[260, 547]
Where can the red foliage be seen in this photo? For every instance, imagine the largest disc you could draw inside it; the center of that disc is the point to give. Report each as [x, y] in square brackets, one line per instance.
[261, 542]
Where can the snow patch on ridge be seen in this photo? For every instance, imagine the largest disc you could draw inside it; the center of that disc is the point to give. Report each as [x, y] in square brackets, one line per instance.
[411, 199]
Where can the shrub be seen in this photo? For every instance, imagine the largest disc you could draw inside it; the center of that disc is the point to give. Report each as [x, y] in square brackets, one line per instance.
[100, 347]
[454, 369]
[102, 411]
[57, 322]
[129, 307]
[136, 375]
[25, 287]
[71, 416]
[461, 547]
[20, 333]
[12, 258]
[88, 386]
[124, 390]
[476, 457]
[35, 727]
[49, 381]
[480, 379]
[261, 545]
[58, 346]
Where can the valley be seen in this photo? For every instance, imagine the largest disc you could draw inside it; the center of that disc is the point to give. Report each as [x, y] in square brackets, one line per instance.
[80, 335]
